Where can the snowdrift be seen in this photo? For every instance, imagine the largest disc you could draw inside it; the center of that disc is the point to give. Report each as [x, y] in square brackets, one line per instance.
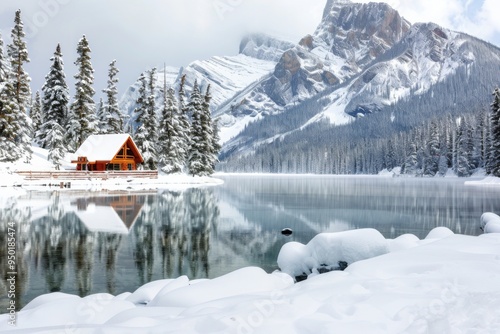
[445, 283]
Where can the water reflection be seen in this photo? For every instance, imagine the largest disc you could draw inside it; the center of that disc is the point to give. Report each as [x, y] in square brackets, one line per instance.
[313, 204]
[83, 243]
[107, 242]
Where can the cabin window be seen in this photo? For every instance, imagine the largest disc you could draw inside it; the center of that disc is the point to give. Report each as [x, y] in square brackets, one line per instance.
[129, 153]
[129, 166]
[113, 167]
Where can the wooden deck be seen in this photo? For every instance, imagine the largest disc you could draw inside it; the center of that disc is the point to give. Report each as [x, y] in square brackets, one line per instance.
[86, 175]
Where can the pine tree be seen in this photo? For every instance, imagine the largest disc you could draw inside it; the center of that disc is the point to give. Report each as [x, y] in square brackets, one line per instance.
[184, 124]
[170, 158]
[82, 121]
[113, 118]
[18, 54]
[201, 158]
[140, 111]
[216, 142]
[208, 133]
[463, 168]
[411, 161]
[4, 63]
[101, 117]
[36, 115]
[494, 155]
[146, 135]
[57, 150]
[432, 154]
[10, 125]
[54, 105]
[196, 159]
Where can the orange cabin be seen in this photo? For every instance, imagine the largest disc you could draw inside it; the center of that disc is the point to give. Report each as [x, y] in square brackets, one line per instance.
[108, 152]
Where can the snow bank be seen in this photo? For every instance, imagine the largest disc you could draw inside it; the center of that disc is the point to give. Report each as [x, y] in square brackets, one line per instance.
[445, 283]
[334, 251]
[327, 250]
[490, 222]
[487, 181]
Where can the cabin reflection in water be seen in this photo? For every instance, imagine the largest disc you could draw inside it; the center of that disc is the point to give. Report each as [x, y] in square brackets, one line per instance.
[83, 243]
[112, 214]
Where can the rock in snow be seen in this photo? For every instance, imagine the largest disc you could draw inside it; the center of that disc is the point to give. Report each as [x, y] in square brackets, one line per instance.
[444, 284]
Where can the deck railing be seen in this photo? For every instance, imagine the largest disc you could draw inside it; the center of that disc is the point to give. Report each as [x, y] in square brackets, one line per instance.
[87, 175]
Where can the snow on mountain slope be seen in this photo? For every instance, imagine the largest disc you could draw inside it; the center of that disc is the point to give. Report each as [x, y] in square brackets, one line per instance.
[227, 75]
[349, 37]
[426, 56]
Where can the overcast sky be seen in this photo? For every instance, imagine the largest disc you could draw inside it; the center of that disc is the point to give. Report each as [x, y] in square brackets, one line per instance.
[143, 34]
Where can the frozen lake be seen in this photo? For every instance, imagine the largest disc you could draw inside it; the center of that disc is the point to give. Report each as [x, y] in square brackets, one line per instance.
[84, 243]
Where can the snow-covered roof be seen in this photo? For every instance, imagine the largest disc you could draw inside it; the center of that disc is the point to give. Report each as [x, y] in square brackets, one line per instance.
[102, 147]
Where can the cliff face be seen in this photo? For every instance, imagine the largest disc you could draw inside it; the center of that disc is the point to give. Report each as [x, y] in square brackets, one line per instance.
[349, 37]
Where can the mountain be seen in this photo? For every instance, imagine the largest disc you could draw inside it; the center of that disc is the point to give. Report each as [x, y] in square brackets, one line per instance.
[361, 61]
[229, 76]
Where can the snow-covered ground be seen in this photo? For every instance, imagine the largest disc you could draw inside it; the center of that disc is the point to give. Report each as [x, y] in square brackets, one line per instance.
[39, 162]
[445, 283]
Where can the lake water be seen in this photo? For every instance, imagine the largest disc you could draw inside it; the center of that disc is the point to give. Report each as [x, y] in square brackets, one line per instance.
[90, 242]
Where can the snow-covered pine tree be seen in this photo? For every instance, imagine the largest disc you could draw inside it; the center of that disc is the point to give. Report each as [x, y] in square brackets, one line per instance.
[140, 110]
[9, 123]
[484, 132]
[36, 115]
[57, 149]
[101, 117]
[197, 159]
[4, 63]
[113, 118]
[170, 158]
[216, 141]
[201, 157]
[411, 161]
[54, 107]
[83, 120]
[432, 153]
[494, 155]
[463, 167]
[184, 124]
[208, 133]
[18, 54]
[146, 135]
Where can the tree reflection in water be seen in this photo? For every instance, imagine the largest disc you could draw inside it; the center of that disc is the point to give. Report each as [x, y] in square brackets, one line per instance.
[84, 243]
[113, 242]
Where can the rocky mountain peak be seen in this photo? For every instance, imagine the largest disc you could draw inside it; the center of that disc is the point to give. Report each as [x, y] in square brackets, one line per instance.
[347, 28]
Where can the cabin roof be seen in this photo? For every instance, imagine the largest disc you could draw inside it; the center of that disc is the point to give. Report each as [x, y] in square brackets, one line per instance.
[105, 147]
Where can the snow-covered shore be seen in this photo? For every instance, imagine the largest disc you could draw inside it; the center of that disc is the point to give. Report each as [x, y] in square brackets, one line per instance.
[445, 283]
[39, 162]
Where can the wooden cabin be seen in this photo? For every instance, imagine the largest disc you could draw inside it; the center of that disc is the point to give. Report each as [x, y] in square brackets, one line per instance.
[108, 152]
